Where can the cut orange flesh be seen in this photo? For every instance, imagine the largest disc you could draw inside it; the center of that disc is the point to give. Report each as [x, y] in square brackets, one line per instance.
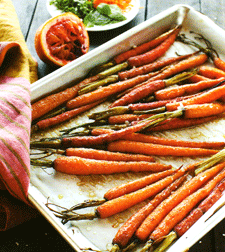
[61, 39]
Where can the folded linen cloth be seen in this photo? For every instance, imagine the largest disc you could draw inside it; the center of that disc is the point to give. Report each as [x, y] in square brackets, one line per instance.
[17, 71]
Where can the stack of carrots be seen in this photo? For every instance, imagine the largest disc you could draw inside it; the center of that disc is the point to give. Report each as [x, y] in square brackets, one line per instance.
[147, 93]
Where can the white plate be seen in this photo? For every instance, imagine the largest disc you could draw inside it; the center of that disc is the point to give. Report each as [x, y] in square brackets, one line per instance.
[130, 14]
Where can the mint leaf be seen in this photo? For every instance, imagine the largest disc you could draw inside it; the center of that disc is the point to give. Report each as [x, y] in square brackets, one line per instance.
[111, 10]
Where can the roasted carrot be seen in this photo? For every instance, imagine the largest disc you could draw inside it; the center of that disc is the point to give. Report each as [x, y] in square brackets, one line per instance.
[82, 141]
[126, 201]
[106, 155]
[67, 115]
[181, 210]
[45, 105]
[179, 123]
[188, 89]
[148, 88]
[205, 97]
[157, 149]
[143, 47]
[84, 166]
[104, 92]
[153, 220]
[119, 119]
[159, 64]
[211, 72]
[136, 184]
[202, 208]
[127, 230]
[197, 78]
[219, 63]
[155, 53]
[144, 138]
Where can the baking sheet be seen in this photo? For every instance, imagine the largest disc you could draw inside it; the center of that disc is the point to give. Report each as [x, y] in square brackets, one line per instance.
[66, 190]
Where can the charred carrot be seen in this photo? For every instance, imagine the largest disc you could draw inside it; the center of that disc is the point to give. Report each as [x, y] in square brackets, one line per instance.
[203, 207]
[137, 184]
[143, 47]
[181, 210]
[153, 220]
[106, 155]
[188, 89]
[67, 115]
[211, 72]
[157, 149]
[159, 64]
[104, 92]
[155, 53]
[148, 88]
[144, 138]
[127, 230]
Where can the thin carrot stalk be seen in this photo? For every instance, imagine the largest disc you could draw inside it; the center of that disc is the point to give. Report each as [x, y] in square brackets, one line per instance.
[142, 48]
[155, 218]
[158, 149]
[148, 88]
[205, 97]
[106, 155]
[94, 85]
[127, 230]
[159, 64]
[135, 185]
[202, 208]
[66, 116]
[211, 72]
[104, 92]
[155, 53]
[181, 210]
[166, 242]
[188, 89]
[144, 138]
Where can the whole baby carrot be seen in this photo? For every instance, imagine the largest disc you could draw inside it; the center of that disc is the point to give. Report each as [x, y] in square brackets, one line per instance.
[182, 209]
[146, 138]
[119, 119]
[202, 208]
[127, 230]
[205, 97]
[104, 92]
[149, 88]
[143, 47]
[155, 53]
[158, 149]
[136, 184]
[188, 89]
[67, 115]
[211, 72]
[153, 220]
[159, 64]
[106, 155]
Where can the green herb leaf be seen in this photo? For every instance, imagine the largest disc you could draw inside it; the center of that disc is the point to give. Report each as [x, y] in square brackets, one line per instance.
[111, 10]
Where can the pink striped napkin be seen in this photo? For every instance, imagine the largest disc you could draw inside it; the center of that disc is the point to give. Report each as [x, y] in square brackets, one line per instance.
[17, 71]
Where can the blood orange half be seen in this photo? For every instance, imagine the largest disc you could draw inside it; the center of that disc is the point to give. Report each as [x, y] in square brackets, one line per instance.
[61, 39]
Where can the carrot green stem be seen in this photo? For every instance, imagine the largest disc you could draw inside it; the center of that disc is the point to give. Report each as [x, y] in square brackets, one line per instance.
[147, 246]
[113, 70]
[94, 85]
[166, 242]
[210, 161]
[180, 77]
[131, 246]
[46, 163]
[101, 68]
[110, 112]
[115, 248]
[150, 111]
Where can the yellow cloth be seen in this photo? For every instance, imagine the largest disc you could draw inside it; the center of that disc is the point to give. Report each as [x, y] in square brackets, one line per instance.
[23, 65]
